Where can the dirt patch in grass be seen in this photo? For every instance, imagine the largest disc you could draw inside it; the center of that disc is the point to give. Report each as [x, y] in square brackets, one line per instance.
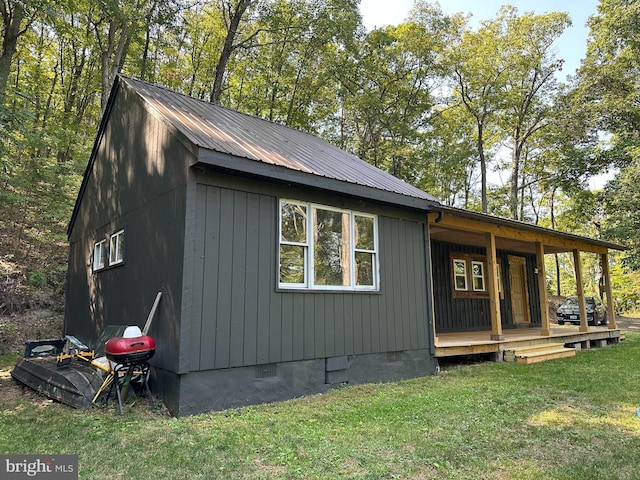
[18, 327]
[11, 390]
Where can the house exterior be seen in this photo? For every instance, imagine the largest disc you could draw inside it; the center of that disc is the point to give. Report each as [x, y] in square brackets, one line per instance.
[287, 265]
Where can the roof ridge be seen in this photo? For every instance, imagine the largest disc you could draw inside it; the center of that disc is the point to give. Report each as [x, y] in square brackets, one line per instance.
[229, 109]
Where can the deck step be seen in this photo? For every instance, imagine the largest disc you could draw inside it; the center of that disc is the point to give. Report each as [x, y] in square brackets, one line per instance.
[538, 353]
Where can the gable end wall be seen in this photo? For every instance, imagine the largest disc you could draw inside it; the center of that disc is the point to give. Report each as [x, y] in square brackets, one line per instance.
[137, 181]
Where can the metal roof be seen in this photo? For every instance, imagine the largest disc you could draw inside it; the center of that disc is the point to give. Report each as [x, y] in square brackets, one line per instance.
[219, 129]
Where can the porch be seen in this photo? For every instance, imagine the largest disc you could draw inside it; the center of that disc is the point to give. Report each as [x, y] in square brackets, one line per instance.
[490, 284]
[480, 342]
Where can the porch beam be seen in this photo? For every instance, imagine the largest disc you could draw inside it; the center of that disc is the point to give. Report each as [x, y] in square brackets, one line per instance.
[492, 284]
[611, 313]
[542, 288]
[577, 266]
[466, 224]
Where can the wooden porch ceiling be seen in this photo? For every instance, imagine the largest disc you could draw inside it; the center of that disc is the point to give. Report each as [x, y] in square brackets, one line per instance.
[470, 228]
[476, 239]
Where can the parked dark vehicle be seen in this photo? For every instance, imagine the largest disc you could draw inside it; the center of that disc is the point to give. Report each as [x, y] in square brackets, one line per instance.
[569, 311]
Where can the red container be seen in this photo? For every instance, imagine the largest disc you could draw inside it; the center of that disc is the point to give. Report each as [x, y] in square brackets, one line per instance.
[130, 350]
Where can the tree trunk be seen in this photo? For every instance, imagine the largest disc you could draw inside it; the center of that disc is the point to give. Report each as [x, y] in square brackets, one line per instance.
[12, 16]
[112, 58]
[515, 174]
[483, 167]
[235, 15]
[553, 226]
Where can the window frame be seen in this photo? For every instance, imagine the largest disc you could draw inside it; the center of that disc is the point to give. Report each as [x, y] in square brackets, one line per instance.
[309, 250]
[481, 264]
[304, 245]
[99, 262]
[119, 250]
[470, 290]
[456, 275]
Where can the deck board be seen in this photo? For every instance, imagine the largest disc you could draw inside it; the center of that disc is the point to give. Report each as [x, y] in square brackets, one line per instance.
[479, 342]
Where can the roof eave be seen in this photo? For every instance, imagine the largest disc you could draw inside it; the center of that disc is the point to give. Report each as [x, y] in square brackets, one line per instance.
[251, 167]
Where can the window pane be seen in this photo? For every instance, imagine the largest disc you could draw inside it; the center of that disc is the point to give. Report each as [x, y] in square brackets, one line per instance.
[364, 232]
[294, 223]
[460, 274]
[364, 268]
[331, 253]
[116, 248]
[292, 264]
[478, 276]
[477, 269]
[98, 255]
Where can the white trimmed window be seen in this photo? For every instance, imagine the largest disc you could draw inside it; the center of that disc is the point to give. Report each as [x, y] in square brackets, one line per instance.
[327, 248]
[477, 275]
[98, 255]
[469, 275]
[460, 274]
[116, 248]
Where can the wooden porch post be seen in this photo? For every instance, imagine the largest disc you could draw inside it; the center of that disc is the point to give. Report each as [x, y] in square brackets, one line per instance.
[542, 287]
[611, 313]
[492, 284]
[577, 265]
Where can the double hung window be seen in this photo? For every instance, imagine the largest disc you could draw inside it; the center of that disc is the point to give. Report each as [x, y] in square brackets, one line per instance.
[327, 248]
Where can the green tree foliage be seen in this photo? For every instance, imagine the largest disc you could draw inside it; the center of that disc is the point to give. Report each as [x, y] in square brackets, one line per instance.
[429, 100]
[530, 86]
[608, 91]
[392, 88]
[504, 76]
[447, 157]
[290, 76]
[622, 206]
[478, 69]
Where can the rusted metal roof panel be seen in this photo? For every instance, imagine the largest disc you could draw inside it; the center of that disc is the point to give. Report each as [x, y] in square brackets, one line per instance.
[216, 128]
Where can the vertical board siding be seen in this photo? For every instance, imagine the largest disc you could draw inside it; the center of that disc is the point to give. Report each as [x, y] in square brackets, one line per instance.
[250, 345]
[198, 274]
[239, 276]
[136, 179]
[469, 314]
[265, 268]
[388, 261]
[241, 319]
[222, 319]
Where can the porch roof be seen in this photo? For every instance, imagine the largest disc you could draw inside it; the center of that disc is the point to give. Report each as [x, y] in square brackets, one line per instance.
[455, 225]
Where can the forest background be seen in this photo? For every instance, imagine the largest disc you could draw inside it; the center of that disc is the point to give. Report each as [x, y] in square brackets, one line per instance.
[433, 101]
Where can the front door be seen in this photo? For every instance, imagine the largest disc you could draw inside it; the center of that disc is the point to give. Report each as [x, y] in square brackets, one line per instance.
[519, 290]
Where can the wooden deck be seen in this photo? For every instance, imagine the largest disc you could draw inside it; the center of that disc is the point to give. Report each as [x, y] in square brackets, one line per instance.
[475, 343]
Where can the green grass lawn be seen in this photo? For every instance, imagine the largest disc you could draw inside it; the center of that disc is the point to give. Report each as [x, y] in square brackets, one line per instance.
[572, 418]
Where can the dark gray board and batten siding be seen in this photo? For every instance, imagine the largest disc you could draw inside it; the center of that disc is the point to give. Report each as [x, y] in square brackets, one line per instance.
[472, 314]
[137, 181]
[202, 228]
[240, 318]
